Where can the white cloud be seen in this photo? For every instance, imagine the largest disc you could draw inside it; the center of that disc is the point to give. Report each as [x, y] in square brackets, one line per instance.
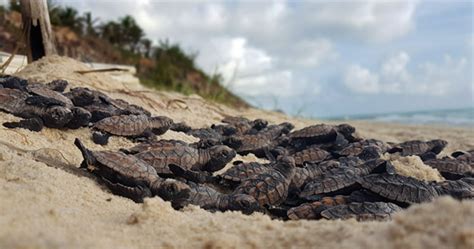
[435, 79]
[372, 20]
[361, 80]
[272, 83]
[310, 53]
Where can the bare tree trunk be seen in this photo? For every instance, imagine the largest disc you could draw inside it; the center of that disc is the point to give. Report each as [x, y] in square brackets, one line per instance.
[37, 27]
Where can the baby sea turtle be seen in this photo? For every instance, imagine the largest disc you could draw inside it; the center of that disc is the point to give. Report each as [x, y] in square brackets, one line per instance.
[271, 187]
[241, 171]
[153, 144]
[100, 105]
[312, 154]
[245, 126]
[312, 211]
[362, 211]
[310, 172]
[342, 179]
[44, 95]
[356, 148]
[130, 126]
[399, 188]
[321, 133]
[460, 189]
[14, 101]
[258, 144]
[12, 82]
[126, 174]
[210, 199]
[452, 168]
[419, 148]
[181, 127]
[212, 159]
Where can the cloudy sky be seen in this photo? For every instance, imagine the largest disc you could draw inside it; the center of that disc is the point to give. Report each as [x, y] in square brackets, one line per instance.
[321, 58]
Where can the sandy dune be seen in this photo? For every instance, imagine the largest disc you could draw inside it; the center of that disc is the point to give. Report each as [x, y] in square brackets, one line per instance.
[47, 202]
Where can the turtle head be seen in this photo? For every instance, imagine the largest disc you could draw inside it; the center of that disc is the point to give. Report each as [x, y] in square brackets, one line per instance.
[286, 127]
[437, 145]
[370, 152]
[259, 124]
[161, 124]
[245, 203]
[345, 129]
[171, 190]
[225, 130]
[233, 142]
[285, 165]
[219, 156]
[57, 116]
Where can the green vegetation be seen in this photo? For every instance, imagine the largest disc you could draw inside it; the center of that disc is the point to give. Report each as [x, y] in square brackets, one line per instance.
[162, 66]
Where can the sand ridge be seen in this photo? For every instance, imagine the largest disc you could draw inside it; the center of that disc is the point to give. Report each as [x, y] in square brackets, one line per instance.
[47, 202]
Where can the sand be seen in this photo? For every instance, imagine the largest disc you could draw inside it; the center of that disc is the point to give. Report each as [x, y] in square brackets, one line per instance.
[47, 202]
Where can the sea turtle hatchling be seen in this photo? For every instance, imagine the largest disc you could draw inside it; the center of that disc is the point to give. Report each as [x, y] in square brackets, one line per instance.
[365, 211]
[210, 160]
[14, 101]
[460, 189]
[341, 180]
[356, 148]
[312, 210]
[260, 143]
[321, 133]
[210, 199]
[419, 148]
[271, 187]
[452, 168]
[132, 126]
[402, 189]
[102, 106]
[152, 144]
[127, 175]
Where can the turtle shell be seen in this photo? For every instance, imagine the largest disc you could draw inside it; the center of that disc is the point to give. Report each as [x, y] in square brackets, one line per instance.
[156, 144]
[43, 91]
[399, 188]
[315, 133]
[124, 125]
[241, 171]
[362, 211]
[12, 100]
[312, 154]
[337, 179]
[161, 157]
[119, 167]
[271, 187]
[449, 166]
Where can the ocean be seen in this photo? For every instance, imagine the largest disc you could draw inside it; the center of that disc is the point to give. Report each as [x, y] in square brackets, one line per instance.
[452, 117]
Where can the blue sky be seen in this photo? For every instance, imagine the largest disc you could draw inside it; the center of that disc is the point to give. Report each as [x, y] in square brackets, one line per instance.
[321, 58]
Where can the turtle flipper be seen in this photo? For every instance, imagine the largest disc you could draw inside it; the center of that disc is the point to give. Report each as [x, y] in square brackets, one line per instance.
[32, 124]
[195, 176]
[100, 138]
[137, 194]
[42, 101]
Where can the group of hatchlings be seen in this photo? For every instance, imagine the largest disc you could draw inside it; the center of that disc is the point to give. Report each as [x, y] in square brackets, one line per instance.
[318, 172]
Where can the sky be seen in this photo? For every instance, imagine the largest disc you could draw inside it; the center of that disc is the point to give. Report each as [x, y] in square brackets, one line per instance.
[321, 58]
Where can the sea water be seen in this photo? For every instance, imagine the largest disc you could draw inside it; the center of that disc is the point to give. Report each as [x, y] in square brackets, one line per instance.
[453, 117]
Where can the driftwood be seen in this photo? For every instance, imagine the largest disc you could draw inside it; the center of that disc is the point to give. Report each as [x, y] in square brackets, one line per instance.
[37, 27]
[104, 70]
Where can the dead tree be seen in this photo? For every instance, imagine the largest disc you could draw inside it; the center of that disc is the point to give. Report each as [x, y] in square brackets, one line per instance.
[38, 36]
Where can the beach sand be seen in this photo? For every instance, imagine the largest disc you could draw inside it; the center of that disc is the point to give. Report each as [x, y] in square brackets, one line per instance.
[47, 202]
